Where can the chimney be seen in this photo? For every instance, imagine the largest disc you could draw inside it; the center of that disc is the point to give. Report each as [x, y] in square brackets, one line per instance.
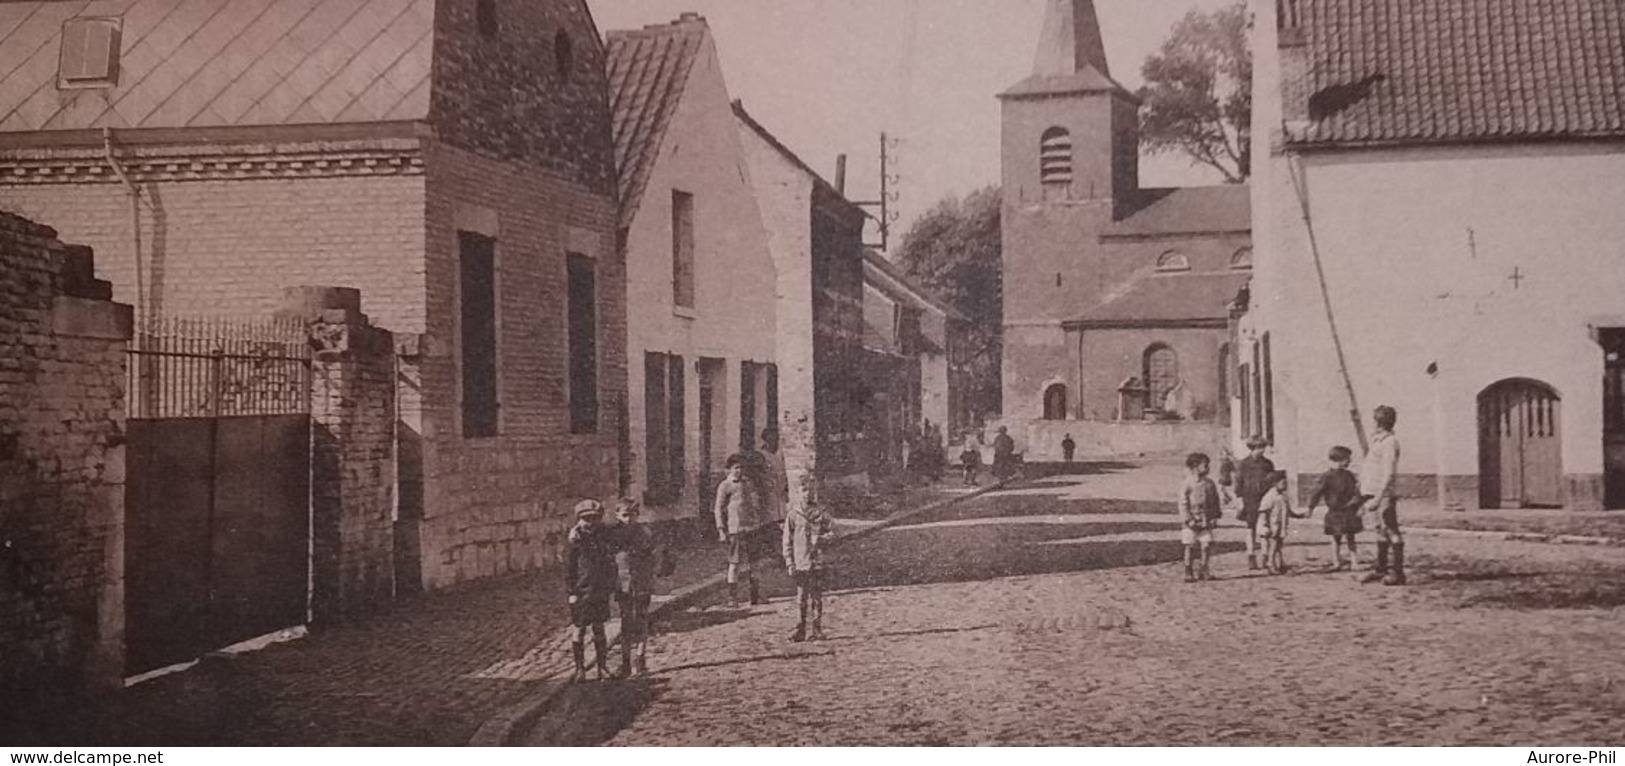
[840, 174]
[1293, 45]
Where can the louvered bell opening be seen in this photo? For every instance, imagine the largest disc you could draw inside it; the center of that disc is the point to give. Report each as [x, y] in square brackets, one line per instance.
[1055, 158]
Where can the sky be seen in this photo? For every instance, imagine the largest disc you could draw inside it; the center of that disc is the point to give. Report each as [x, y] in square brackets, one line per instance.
[828, 76]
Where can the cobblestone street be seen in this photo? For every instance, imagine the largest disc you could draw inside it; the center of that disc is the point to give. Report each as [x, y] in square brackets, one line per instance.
[1055, 614]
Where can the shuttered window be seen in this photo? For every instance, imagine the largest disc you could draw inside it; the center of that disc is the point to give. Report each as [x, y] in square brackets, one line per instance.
[664, 436]
[477, 295]
[583, 314]
[1055, 157]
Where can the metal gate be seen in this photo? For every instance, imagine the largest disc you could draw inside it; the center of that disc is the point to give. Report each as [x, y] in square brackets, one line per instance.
[217, 495]
[1520, 446]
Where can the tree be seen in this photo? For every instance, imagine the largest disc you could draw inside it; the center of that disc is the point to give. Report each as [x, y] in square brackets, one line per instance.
[955, 252]
[1198, 96]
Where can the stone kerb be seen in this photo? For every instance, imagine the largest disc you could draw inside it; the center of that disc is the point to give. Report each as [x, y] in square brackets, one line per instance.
[353, 412]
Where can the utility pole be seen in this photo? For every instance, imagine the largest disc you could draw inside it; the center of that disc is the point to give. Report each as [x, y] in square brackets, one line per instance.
[886, 215]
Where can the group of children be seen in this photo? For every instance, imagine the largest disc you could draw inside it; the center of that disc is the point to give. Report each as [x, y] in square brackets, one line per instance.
[1257, 494]
[620, 562]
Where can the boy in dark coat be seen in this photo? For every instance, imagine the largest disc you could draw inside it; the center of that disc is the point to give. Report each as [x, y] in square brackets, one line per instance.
[1252, 482]
[1339, 490]
[589, 575]
[636, 560]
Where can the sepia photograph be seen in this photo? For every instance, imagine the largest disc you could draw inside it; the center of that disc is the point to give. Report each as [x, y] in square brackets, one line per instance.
[1206, 374]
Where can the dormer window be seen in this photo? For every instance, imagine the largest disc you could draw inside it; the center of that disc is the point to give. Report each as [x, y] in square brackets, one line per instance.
[1055, 158]
[90, 52]
[1242, 260]
[1173, 262]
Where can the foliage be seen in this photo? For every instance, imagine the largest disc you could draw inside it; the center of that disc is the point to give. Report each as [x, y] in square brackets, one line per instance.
[1198, 94]
[955, 252]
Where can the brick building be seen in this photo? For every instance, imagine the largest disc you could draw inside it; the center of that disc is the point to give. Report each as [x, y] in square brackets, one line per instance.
[451, 159]
[701, 341]
[816, 237]
[912, 370]
[1462, 211]
[1116, 297]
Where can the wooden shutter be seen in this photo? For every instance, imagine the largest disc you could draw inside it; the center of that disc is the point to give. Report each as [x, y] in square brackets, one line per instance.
[676, 433]
[477, 292]
[583, 311]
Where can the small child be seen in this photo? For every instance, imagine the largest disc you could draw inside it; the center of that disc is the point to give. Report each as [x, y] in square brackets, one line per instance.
[806, 528]
[591, 579]
[636, 558]
[970, 460]
[1339, 490]
[1273, 511]
[1198, 513]
[736, 517]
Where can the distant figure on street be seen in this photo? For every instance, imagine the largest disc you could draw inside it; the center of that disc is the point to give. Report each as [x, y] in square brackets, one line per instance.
[737, 518]
[970, 461]
[1339, 491]
[590, 577]
[1273, 512]
[805, 531]
[1068, 448]
[1198, 513]
[1378, 499]
[1004, 454]
[775, 490]
[1252, 481]
[637, 559]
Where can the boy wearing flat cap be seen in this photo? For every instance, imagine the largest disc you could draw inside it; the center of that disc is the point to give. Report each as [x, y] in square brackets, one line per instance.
[1252, 483]
[591, 579]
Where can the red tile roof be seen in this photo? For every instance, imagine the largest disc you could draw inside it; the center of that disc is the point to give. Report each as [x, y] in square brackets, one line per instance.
[648, 71]
[1169, 299]
[190, 63]
[1409, 71]
[1182, 211]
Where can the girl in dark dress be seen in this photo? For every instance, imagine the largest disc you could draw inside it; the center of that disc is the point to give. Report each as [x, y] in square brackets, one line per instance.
[1339, 491]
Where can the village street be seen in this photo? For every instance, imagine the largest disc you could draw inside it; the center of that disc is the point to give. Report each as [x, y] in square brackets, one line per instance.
[1055, 614]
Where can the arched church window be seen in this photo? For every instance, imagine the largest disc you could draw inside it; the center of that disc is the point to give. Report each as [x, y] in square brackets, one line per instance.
[1173, 261]
[1055, 157]
[1055, 402]
[1161, 374]
[1242, 260]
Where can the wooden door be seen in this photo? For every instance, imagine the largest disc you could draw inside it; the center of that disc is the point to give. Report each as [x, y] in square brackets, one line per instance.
[1520, 446]
[1613, 416]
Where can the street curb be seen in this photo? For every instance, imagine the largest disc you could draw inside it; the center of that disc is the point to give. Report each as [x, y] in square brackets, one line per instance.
[1518, 537]
[499, 730]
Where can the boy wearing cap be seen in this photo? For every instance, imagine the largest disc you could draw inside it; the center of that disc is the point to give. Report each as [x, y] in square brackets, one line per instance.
[736, 518]
[589, 576]
[1273, 511]
[1252, 482]
[806, 529]
[1198, 513]
[636, 559]
[1381, 503]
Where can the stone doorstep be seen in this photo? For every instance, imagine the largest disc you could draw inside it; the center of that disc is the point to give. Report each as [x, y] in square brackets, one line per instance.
[501, 729]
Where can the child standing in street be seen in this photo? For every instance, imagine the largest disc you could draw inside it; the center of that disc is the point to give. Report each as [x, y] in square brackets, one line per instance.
[1273, 511]
[1339, 490]
[806, 529]
[636, 557]
[736, 517]
[1251, 484]
[1198, 513]
[590, 577]
[970, 460]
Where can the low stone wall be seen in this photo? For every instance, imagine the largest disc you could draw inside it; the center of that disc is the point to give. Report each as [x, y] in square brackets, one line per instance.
[1040, 440]
[62, 416]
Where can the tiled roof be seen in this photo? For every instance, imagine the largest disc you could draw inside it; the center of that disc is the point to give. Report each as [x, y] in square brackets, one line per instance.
[1449, 70]
[886, 277]
[191, 63]
[1189, 210]
[1086, 80]
[1169, 299]
[648, 71]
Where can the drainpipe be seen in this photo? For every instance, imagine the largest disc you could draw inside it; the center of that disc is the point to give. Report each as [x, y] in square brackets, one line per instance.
[135, 224]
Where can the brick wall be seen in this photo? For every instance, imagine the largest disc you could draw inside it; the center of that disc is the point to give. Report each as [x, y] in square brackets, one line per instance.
[503, 96]
[61, 466]
[501, 504]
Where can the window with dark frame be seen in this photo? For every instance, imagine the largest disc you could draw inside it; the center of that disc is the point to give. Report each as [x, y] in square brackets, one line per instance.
[477, 296]
[665, 453]
[1268, 399]
[90, 53]
[583, 339]
[682, 248]
[564, 55]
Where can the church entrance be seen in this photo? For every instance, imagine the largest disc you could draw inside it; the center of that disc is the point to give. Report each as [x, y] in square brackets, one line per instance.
[1520, 455]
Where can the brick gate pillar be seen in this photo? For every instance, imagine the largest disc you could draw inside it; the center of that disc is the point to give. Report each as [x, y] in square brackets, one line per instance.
[352, 408]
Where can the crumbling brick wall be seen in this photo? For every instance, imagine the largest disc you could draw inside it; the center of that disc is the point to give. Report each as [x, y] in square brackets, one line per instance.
[62, 346]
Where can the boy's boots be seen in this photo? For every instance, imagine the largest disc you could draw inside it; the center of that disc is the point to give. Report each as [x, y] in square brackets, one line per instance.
[1397, 576]
[817, 633]
[1190, 572]
[579, 651]
[755, 593]
[1252, 562]
[800, 633]
[1381, 571]
[733, 594]
[601, 647]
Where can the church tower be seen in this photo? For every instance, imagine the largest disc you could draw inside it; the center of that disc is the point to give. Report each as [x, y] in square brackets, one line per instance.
[1070, 161]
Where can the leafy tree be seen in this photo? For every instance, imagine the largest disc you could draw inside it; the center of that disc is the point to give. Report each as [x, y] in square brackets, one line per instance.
[955, 252]
[1198, 96]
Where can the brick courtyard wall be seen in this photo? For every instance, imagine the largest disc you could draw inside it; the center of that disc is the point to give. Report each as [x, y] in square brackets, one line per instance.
[352, 403]
[61, 467]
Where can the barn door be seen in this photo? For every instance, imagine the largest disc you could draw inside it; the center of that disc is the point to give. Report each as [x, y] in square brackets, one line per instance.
[1520, 452]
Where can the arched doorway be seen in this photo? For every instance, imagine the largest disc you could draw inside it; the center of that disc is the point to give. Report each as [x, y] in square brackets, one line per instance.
[1161, 375]
[1055, 402]
[1520, 454]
